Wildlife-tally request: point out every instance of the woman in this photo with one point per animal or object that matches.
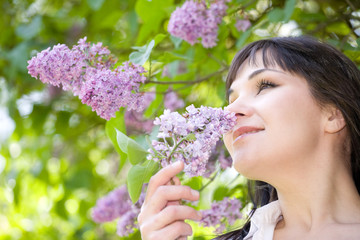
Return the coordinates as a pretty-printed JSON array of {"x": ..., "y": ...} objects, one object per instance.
[{"x": 298, "y": 135}]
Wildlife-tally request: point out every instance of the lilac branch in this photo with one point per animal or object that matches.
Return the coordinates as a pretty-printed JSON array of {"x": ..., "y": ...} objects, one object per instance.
[{"x": 199, "y": 80}]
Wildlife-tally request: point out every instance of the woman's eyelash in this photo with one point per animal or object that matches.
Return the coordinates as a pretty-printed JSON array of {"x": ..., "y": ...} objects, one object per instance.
[{"x": 263, "y": 84}]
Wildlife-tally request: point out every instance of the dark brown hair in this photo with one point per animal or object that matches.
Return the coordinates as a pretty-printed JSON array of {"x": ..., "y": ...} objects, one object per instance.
[{"x": 332, "y": 78}]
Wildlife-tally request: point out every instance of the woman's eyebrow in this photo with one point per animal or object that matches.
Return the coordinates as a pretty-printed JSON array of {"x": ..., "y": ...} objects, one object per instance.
[
  {"x": 257, "y": 72},
  {"x": 254, "y": 74}
]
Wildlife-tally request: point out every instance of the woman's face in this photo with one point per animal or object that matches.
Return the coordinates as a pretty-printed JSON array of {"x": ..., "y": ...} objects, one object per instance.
[{"x": 279, "y": 123}]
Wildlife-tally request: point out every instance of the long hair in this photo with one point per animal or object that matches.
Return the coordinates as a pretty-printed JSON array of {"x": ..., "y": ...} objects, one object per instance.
[{"x": 332, "y": 78}]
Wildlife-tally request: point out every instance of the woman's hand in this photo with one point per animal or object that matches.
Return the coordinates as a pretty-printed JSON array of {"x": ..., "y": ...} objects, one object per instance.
[{"x": 162, "y": 216}]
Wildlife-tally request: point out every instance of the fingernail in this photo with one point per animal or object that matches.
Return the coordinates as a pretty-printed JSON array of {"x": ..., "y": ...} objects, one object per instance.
[
  {"x": 199, "y": 215},
  {"x": 195, "y": 193}
]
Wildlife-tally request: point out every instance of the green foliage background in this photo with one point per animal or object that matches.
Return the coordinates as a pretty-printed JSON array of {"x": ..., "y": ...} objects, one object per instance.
[{"x": 59, "y": 160}]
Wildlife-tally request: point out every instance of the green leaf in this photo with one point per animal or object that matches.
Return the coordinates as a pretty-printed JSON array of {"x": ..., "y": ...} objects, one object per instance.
[
  {"x": 358, "y": 43},
  {"x": 135, "y": 152},
  {"x": 240, "y": 42},
  {"x": 143, "y": 53},
  {"x": 176, "y": 41},
  {"x": 194, "y": 183},
  {"x": 289, "y": 9},
  {"x": 152, "y": 13},
  {"x": 138, "y": 175},
  {"x": 220, "y": 193},
  {"x": 276, "y": 15},
  {"x": 339, "y": 28},
  {"x": 28, "y": 31},
  {"x": 95, "y": 4},
  {"x": 111, "y": 126},
  {"x": 156, "y": 104},
  {"x": 191, "y": 137},
  {"x": 17, "y": 56},
  {"x": 171, "y": 56},
  {"x": 158, "y": 38}
]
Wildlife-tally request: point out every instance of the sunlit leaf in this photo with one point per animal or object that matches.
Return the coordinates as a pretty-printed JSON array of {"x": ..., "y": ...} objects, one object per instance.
[
  {"x": 143, "y": 54},
  {"x": 220, "y": 193},
  {"x": 176, "y": 41},
  {"x": 111, "y": 126},
  {"x": 276, "y": 15},
  {"x": 95, "y": 4},
  {"x": 138, "y": 175},
  {"x": 30, "y": 30},
  {"x": 289, "y": 9},
  {"x": 135, "y": 152}
]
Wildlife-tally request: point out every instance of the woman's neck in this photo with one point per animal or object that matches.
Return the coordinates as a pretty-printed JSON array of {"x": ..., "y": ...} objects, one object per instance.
[{"x": 322, "y": 196}]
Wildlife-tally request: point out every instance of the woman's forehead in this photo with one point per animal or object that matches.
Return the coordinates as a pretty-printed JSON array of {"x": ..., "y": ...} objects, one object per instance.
[{"x": 255, "y": 64}]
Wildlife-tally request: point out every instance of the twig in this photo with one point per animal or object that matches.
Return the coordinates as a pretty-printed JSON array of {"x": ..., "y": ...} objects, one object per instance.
[
  {"x": 190, "y": 82},
  {"x": 208, "y": 183},
  {"x": 351, "y": 5}
]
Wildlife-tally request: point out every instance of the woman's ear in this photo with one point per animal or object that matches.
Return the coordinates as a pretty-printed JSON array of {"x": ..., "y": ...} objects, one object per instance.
[{"x": 335, "y": 121}]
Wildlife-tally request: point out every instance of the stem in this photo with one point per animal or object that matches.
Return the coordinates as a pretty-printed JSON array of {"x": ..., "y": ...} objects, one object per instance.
[
  {"x": 191, "y": 82},
  {"x": 235, "y": 10},
  {"x": 351, "y": 5},
  {"x": 210, "y": 181},
  {"x": 173, "y": 150},
  {"x": 237, "y": 176},
  {"x": 221, "y": 63}
]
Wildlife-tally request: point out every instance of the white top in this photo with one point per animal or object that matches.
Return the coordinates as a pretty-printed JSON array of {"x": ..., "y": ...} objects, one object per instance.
[{"x": 263, "y": 222}]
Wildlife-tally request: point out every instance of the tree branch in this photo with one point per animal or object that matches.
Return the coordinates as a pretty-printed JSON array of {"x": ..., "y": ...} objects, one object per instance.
[{"x": 221, "y": 70}]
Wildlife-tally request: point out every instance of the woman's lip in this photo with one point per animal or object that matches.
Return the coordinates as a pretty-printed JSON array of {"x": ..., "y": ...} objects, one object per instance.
[{"x": 245, "y": 130}]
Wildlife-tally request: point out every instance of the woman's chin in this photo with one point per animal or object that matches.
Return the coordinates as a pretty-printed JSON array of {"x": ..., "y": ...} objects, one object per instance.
[{"x": 247, "y": 169}]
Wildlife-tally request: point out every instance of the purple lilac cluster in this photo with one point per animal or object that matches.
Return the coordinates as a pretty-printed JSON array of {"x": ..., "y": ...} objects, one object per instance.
[
  {"x": 194, "y": 20},
  {"x": 135, "y": 121},
  {"x": 87, "y": 71},
  {"x": 190, "y": 137},
  {"x": 242, "y": 25},
  {"x": 106, "y": 90},
  {"x": 217, "y": 160},
  {"x": 172, "y": 101},
  {"x": 222, "y": 213},
  {"x": 117, "y": 204}
]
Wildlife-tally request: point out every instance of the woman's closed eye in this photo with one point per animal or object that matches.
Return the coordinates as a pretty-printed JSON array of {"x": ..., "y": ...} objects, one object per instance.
[{"x": 264, "y": 84}]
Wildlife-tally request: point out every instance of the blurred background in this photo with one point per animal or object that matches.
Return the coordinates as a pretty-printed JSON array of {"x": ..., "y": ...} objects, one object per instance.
[{"x": 55, "y": 157}]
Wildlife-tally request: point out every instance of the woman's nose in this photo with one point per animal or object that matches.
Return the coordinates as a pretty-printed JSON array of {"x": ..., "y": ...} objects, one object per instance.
[{"x": 240, "y": 108}]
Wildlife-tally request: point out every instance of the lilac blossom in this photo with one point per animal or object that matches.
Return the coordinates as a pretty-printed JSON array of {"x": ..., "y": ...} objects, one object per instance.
[
  {"x": 87, "y": 71},
  {"x": 112, "y": 206},
  {"x": 242, "y": 25},
  {"x": 172, "y": 101},
  {"x": 117, "y": 204},
  {"x": 106, "y": 90},
  {"x": 194, "y": 20},
  {"x": 217, "y": 160},
  {"x": 127, "y": 223},
  {"x": 225, "y": 162},
  {"x": 190, "y": 137},
  {"x": 222, "y": 213},
  {"x": 135, "y": 121},
  {"x": 59, "y": 67}
]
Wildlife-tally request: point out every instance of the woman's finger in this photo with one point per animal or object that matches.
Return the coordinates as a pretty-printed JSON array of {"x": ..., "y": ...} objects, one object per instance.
[
  {"x": 176, "y": 180},
  {"x": 169, "y": 215},
  {"x": 164, "y": 194},
  {"x": 172, "y": 231},
  {"x": 175, "y": 213},
  {"x": 163, "y": 177}
]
